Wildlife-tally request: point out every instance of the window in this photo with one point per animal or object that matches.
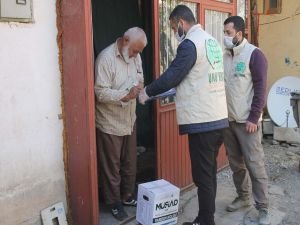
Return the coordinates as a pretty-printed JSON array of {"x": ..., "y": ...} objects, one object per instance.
[
  {"x": 214, "y": 24},
  {"x": 272, "y": 6},
  {"x": 168, "y": 42},
  {"x": 241, "y": 6}
]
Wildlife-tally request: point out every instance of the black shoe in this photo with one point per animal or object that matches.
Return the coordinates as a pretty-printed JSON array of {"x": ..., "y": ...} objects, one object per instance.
[
  {"x": 191, "y": 223},
  {"x": 118, "y": 211},
  {"x": 130, "y": 202},
  {"x": 195, "y": 222}
]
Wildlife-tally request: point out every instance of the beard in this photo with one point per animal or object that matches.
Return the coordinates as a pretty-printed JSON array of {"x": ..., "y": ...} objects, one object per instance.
[{"x": 125, "y": 54}]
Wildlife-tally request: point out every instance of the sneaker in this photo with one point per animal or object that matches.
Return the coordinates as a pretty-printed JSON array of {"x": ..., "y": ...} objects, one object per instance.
[
  {"x": 263, "y": 217},
  {"x": 130, "y": 202},
  {"x": 118, "y": 212},
  {"x": 238, "y": 203}
]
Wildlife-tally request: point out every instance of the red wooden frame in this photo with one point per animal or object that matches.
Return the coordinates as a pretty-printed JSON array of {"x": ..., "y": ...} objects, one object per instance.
[
  {"x": 78, "y": 105},
  {"x": 268, "y": 10}
]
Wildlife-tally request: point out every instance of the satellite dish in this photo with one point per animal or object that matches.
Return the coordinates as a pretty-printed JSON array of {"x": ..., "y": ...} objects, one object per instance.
[{"x": 278, "y": 102}]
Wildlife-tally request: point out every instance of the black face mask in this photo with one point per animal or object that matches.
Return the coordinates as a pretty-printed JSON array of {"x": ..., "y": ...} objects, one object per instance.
[
  {"x": 235, "y": 41},
  {"x": 180, "y": 31}
]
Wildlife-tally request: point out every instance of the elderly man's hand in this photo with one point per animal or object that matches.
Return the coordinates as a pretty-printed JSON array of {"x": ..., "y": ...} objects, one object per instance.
[
  {"x": 134, "y": 91},
  {"x": 143, "y": 97},
  {"x": 132, "y": 94}
]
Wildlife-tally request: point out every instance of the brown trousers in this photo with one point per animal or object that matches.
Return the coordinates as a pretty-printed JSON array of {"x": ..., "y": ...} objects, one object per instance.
[
  {"x": 246, "y": 159},
  {"x": 117, "y": 165}
]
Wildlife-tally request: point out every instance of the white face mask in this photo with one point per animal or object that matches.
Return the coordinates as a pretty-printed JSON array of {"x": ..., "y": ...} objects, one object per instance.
[
  {"x": 178, "y": 37},
  {"x": 228, "y": 42}
]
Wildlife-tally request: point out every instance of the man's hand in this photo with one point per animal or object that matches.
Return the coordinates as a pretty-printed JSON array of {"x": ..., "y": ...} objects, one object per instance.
[
  {"x": 251, "y": 127},
  {"x": 132, "y": 94},
  {"x": 143, "y": 97}
]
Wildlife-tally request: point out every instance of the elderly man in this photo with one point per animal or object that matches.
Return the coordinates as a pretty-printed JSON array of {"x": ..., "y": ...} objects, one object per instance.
[
  {"x": 119, "y": 78},
  {"x": 198, "y": 75}
]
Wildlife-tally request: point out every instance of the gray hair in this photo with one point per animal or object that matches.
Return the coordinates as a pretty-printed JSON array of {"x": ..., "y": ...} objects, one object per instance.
[{"x": 135, "y": 34}]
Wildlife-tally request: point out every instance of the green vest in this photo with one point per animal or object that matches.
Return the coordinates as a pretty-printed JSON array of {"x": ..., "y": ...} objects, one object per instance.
[
  {"x": 238, "y": 80},
  {"x": 201, "y": 97}
]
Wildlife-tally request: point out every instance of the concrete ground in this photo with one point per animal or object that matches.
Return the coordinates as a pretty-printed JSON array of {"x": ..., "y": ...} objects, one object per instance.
[
  {"x": 226, "y": 193},
  {"x": 189, "y": 206},
  {"x": 282, "y": 164}
]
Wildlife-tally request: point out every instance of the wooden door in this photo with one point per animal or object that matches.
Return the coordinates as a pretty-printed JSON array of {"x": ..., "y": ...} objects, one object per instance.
[
  {"x": 173, "y": 162},
  {"x": 212, "y": 15}
]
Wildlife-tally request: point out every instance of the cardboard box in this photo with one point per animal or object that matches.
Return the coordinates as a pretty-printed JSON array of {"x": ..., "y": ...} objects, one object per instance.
[{"x": 158, "y": 203}]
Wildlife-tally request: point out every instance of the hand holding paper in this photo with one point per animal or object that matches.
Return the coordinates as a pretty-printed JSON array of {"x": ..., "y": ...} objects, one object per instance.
[{"x": 132, "y": 94}]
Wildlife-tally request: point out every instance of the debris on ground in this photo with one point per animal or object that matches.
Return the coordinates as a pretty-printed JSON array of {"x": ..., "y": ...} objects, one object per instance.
[{"x": 282, "y": 164}]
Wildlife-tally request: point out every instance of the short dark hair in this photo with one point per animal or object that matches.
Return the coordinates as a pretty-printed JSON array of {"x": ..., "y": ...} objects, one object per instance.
[
  {"x": 182, "y": 12},
  {"x": 238, "y": 23}
]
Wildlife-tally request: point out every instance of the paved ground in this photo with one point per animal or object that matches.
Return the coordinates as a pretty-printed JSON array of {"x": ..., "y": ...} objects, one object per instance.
[
  {"x": 189, "y": 205},
  {"x": 282, "y": 163},
  {"x": 226, "y": 194}
]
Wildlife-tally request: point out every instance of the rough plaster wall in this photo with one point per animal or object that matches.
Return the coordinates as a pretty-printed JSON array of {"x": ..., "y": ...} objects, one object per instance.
[
  {"x": 31, "y": 133},
  {"x": 279, "y": 39}
]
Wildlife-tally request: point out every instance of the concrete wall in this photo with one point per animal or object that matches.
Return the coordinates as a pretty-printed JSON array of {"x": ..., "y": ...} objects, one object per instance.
[
  {"x": 31, "y": 134},
  {"x": 279, "y": 39}
]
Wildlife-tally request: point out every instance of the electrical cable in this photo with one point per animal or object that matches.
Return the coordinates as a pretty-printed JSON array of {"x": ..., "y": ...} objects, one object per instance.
[{"x": 275, "y": 21}]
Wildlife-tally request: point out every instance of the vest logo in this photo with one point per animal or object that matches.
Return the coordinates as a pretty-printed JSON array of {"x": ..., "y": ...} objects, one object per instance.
[
  {"x": 240, "y": 69},
  {"x": 166, "y": 204},
  {"x": 215, "y": 77},
  {"x": 214, "y": 54}
]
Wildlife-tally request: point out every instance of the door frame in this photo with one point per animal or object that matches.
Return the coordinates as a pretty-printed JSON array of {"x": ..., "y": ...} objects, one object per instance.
[{"x": 74, "y": 20}]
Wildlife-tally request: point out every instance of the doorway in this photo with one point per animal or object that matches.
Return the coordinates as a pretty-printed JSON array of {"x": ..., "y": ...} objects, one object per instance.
[
  {"x": 111, "y": 18},
  {"x": 76, "y": 42}
]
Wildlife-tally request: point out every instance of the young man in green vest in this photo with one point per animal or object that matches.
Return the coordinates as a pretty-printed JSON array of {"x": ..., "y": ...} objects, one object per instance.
[{"x": 245, "y": 69}]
